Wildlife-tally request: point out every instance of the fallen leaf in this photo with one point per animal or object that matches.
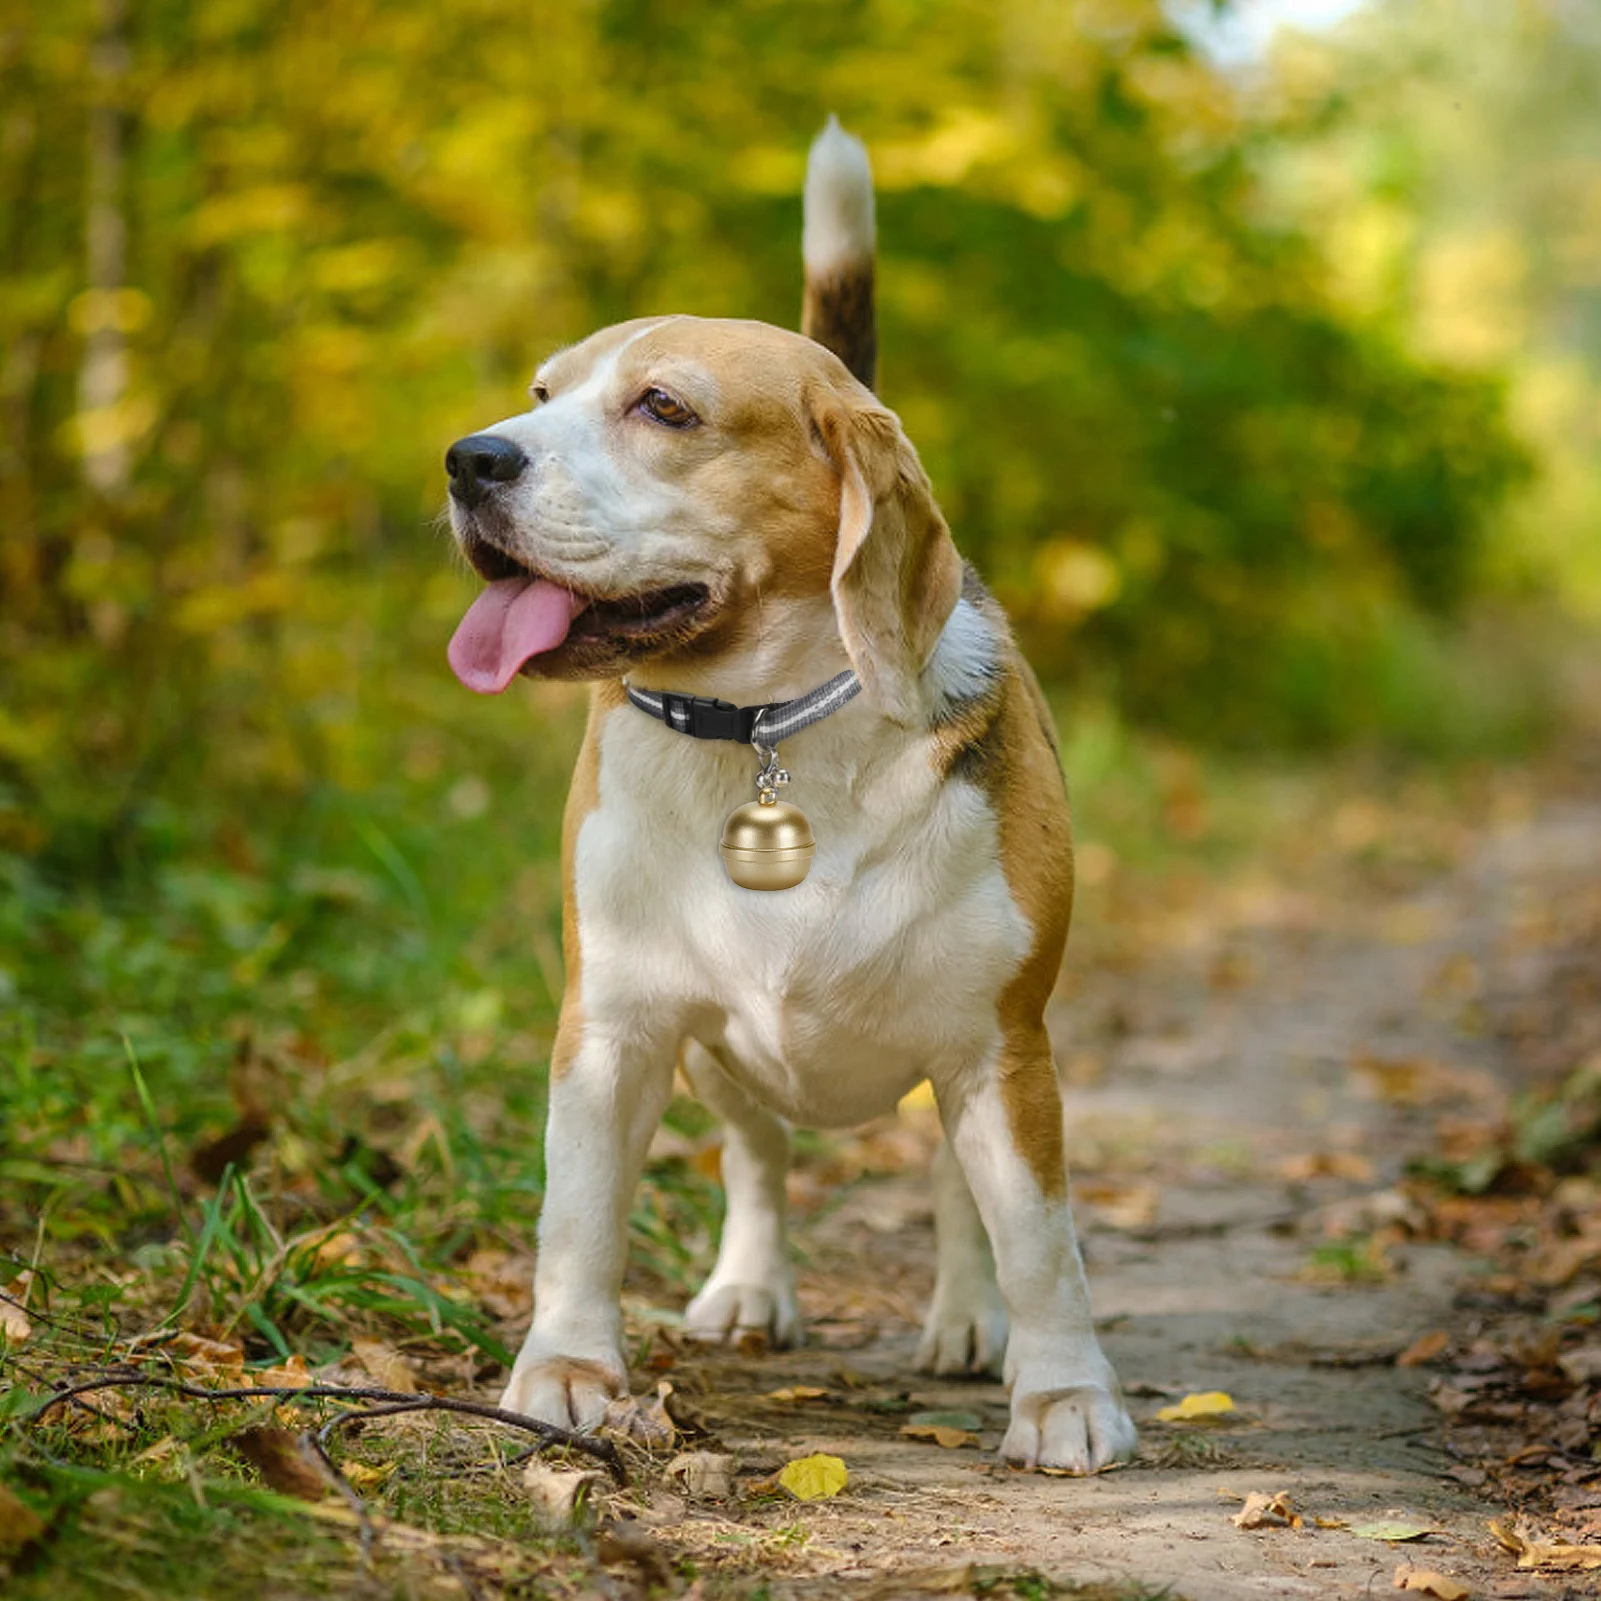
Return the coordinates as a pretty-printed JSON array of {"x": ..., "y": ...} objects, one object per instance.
[
  {"x": 812, "y": 1478},
  {"x": 206, "y": 1358},
  {"x": 559, "y": 1495},
  {"x": 366, "y": 1475},
  {"x": 290, "y": 1375},
  {"x": 1393, "y": 1529},
  {"x": 1267, "y": 1512},
  {"x": 1533, "y": 1553},
  {"x": 283, "y": 1463},
  {"x": 939, "y": 1434},
  {"x": 1424, "y": 1349},
  {"x": 797, "y": 1392},
  {"x": 704, "y": 1473},
  {"x": 1198, "y": 1404},
  {"x": 15, "y": 1324},
  {"x": 502, "y": 1282},
  {"x": 1429, "y": 1582},
  {"x": 389, "y": 1369},
  {"x": 19, "y": 1523},
  {"x": 643, "y": 1419}
]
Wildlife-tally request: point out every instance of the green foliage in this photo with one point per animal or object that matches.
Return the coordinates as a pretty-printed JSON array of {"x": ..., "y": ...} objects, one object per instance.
[{"x": 1178, "y": 456}]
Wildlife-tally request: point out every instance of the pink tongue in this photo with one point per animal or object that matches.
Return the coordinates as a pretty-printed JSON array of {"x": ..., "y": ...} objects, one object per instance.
[{"x": 513, "y": 619}]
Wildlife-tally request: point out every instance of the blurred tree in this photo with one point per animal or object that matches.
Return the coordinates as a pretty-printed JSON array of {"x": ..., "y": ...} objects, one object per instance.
[
  {"x": 1454, "y": 169},
  {"x": 260, "y": 261}
]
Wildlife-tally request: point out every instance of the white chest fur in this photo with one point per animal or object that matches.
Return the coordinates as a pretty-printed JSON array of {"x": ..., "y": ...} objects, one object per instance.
[{"x": 828, "y": 1000}]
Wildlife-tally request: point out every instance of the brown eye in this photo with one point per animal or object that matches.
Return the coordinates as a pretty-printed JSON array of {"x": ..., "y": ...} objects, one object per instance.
[
  {"x": 666, "y": 409},
  {"x": 540, "y": 392}
]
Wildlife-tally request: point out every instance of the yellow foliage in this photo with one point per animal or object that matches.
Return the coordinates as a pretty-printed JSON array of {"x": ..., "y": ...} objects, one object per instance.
[{"x": 811, "y": 1478}]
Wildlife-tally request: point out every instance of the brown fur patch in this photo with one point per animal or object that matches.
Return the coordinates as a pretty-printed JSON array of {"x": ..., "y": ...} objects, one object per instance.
[
  {"x": 582, "y": 798},
  {"x": 1003, "y": 742},
  {"x": 837, "y": 311}
]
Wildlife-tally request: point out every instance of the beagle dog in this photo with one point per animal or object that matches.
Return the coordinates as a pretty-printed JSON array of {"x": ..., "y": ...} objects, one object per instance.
[{"x": 723, "y": 509}]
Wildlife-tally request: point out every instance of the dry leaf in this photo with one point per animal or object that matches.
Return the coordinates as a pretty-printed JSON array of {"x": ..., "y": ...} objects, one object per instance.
[
  {"x": 366, "y": 1475},
  {"x": 1198, "y": 1405},
  {"x": 389, "y": 1369},
  {"x": 1429, "y": 1582},
  {"x": 811, "y": 1478},
  {"x": 205, "y": 1358},
  {"x": 559, "y": 1495},
  {"x": 1267, "y": 1512},
  {"x": 797, "y": 1392},
  {"x": 643, "y": 1419},
  {"x": 15, "y": 1324},
  {"x": 283, "y": 1463},
  {"x": 1535, "y": 1553},
  {"x": 704, "y": 1473},
  {"x": 1424, "y": 1349},
  {"x": 939, "y": 1434},
  {"x": 1393, "y": 1530},
  {"x": 503, "y": 1283},
  {"x": 19, "y": 1523},
  {"x": 290, "y": 1375}
]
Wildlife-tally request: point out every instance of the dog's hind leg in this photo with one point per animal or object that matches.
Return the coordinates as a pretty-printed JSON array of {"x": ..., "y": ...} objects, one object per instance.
[
  {"x": 752, "y": 1288},
  {"x": 965, "y": 1330}
]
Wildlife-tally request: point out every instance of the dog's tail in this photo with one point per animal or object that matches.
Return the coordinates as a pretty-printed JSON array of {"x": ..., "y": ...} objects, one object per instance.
[{"x": 837, "y": 246}]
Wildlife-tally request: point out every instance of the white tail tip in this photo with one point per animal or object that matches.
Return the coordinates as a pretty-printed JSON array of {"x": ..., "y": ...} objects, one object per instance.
[{"x": 839, "y": 201}]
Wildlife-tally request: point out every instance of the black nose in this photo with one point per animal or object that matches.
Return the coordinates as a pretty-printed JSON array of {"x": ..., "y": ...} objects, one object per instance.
[{"x": 479, "y": 460}]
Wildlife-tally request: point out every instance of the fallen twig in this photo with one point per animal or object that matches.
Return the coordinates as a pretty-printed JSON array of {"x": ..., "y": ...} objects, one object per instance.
[{"x": 390, "y": 1403}]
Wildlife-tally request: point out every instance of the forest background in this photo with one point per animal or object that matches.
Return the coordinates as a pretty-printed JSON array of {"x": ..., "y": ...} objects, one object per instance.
[{"x": 1267, "y": 397}]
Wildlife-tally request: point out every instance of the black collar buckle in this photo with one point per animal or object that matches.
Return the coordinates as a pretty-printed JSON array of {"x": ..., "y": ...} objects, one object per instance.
[{"x": 704, "y": 717}]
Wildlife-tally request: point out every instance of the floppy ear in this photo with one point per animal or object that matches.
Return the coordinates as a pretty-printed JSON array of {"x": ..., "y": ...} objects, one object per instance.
[{"x": 897, "y": 576}]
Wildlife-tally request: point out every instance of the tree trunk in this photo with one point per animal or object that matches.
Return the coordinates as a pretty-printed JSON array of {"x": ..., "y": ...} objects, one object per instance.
[{"x": 103, "y": 374}]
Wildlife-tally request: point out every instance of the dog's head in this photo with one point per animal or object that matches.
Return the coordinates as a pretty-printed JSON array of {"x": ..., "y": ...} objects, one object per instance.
[{"x": 685, "y": 490}]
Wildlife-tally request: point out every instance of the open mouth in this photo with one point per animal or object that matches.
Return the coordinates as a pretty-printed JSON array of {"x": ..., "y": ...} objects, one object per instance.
[{"x": 525, "y": 622}]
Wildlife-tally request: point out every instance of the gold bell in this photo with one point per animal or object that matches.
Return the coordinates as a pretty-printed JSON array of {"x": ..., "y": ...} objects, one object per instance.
[{"x": 767, "y": 844}]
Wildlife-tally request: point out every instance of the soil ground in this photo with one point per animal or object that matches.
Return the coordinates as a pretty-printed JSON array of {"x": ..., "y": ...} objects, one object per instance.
[{"x": 1250, "y": 1068}]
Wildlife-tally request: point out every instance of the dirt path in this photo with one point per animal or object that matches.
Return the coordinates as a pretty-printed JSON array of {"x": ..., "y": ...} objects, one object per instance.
[{"x": 1244, "y": 1091}]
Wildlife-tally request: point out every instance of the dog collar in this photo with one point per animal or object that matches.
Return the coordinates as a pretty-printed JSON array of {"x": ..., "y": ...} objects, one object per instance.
[
  {"x": 767, "y": 844},
  {"x": 702, "y": 717}
]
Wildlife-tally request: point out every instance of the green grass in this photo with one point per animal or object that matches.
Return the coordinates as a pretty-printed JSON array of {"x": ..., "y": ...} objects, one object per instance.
[{"x": 272, "y": 1069}]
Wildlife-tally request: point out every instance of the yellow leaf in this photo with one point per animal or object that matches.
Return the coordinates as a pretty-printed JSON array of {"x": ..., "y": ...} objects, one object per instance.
[
  {"x": 1200, "y": 1404},
  {"x": 811, "y": 1478},
  {"x": 797, "y": 1392},
  {"x": 1428, "y": 1582},
  {"x": 364, "y": 1475},
  {"x": 941, "y": 1434}
]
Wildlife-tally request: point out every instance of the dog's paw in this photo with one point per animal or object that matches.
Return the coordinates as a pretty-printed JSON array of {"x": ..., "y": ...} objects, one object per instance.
[
  {"x": 958, "y": 1341},
  {"x": 733, "y": 1311},
  {"x": 1080, "y": 1428},
  {"x": 568, "y": 1391}
]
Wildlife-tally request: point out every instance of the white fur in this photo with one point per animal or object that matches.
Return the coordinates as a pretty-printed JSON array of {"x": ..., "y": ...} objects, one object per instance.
[
  {"x": 839, "y": 228},
  {"x": 823, "y": 1005}
]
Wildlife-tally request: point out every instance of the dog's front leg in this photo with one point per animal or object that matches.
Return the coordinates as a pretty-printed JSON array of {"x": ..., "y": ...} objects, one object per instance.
[
  {"x": 1004, "y": 1124},
  {"x": 608, "y": 1092}
]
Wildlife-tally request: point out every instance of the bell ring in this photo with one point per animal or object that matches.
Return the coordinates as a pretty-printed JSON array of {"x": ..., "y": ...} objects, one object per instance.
[{"x": 767, "y": 844}]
